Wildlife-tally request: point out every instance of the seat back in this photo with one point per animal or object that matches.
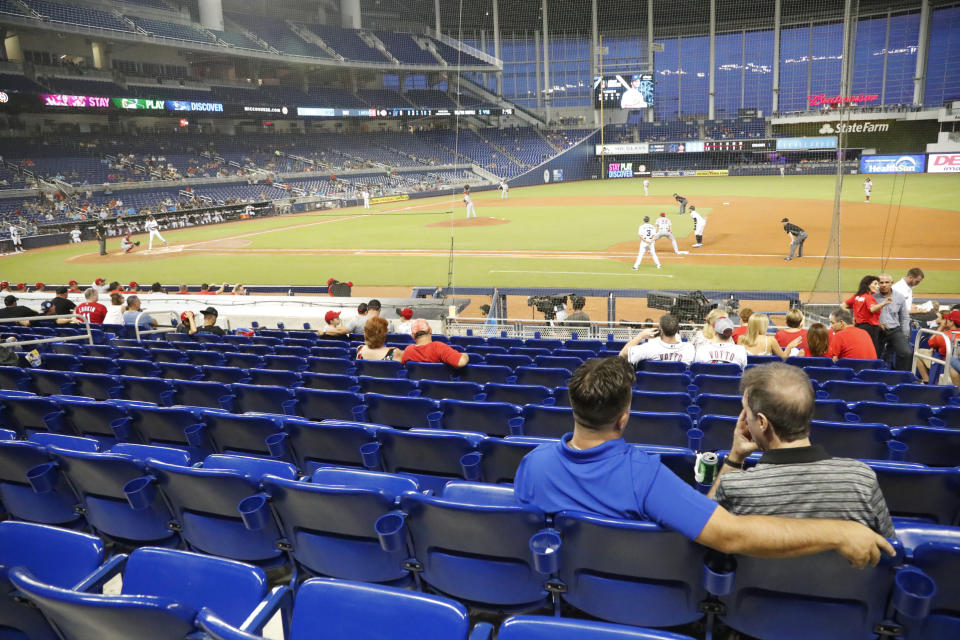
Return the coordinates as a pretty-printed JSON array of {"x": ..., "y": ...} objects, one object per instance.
[
  {"x": 892, "y": 414},
  {"x": 825, "y": 374},
  {"x": 387, "y": 386},
  {"x": 919, "y": 492},
  {"x": 328, "y": 381},
  {"x": 430, "y": 371},
  {"x": 676, "y": 382},
  {"x": 400, "y": 411},
  {"x": 491, "y": 418},
  {"x": 442, "y": 390},
  {"x": 501, "y": 458},
  {"x": 665, "y": 429},
  {"x": 544, "y": 376},
  {"x": 726, "y": 385},
  {"x": 54, "y": 506},
  {"x": 240, "y": 433},
  {"x": 544, "y": 628},
  {"x": 516, "y": 393},
  {"x": 932, "y": 446},
  {"x": 846, "y": 440},
  {"x": 851, "y": 391},
  {"x": 545, "y": 421},
  {"x": 321, "y": 404},
  {"x": 484, "y": 373},
  {"x": 431, "y": 456},
  {"x": 924, "y": 393},
  {"x": 204, "y": 394},
  {"x": 331, "y": 442}
]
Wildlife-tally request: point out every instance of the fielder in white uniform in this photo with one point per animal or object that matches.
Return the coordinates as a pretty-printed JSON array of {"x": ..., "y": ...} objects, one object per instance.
[
  {"x": 467, "y": 200},
  {"x": 699, "y": 222},
  {"x": 75, "y": 236},
  {"x": 15, "y": 239},
  {"x": 647, "y": 234},
  {"x": 665, "y": 230},
  {"x": 504, "y": 187},
  {"x": 867, "y": 188},
  {"x": 154, "y": 228},
  {"x": 646, "y": 187},
  {"x": 366, "y": 198}
]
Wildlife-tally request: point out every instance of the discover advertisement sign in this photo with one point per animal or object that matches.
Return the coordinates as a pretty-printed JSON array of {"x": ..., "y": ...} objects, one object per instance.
[
  {"x": 943, "y": 163},
  {"x": 892, "y": 164}
]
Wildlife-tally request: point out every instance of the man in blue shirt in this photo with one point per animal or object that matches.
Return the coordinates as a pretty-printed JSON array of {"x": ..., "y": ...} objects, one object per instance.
[
  {"x": 594, "y": 470},
  {"x": 133, "y": 312}
]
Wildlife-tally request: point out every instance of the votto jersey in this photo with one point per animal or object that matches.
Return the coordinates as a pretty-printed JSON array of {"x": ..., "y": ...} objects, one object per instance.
[
  {"x": 646, "y": 232},
  {"x": 721, "y": 352},
  {"x": 659, "y": 350}
]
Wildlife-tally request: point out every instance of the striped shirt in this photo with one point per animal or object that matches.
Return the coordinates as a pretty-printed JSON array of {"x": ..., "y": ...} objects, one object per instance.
[{"x": 805, "y": 482}]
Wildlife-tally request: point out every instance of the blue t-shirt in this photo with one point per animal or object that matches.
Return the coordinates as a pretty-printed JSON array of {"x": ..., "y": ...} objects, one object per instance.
[
  {"x": 130, "y": 317},
  {"x": 616, "y": 480}
]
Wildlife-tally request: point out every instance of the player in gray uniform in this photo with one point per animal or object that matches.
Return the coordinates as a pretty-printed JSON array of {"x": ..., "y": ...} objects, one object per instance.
[
  {"x": 797, "y": 237},
  {"x": 647, "y": 234},
  {"x": 665, "y": 230},
  {"x": 682, "y": 202}
]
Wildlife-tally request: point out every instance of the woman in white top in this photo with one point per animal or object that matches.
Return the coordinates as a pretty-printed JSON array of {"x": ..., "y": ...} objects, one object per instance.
[
  {"x": 758, "y": 343},
  {"x": 115, "y": 310}
]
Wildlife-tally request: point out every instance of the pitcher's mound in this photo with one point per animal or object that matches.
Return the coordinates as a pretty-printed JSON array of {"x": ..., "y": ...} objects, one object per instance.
[{"x": 470, "y": 222}]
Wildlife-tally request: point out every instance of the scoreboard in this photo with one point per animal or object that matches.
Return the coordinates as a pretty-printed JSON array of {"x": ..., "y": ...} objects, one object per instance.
[{"x": 691, "y": 146}]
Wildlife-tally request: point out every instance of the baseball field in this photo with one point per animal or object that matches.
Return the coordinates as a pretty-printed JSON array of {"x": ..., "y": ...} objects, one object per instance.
[{"x": 576, "y": 235}]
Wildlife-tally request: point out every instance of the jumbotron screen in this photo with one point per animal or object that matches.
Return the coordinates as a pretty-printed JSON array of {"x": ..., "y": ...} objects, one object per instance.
[{"x": 623, "y": 91}]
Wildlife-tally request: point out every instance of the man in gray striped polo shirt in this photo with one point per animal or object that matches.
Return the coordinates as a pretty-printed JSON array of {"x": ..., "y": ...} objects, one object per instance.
[{"x": 793, "y": 477}]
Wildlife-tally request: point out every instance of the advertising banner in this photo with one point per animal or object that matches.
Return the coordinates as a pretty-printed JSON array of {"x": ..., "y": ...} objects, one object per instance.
[
  {"x": 622, "y": 149},
  {"x": 383, "y": 199},
  {"x": 624, "y": 170},
  {"x": 892, "y": 164},
  {"x": 713, "y": 172},
  {"x": 943, "y": 163},
  {"x": 189, "y": 105},
  {"x": 137, "y": 104},
  {"x": 81, "y": 102}
]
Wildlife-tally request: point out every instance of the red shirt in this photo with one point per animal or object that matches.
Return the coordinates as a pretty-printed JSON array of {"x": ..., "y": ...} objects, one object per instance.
[
  {"x": 432, "y": 352},
  {"x": 939, "y": 344},
  {"x": 852, "y": 342},
  {"x": 784, "y": 338},
  {"x": 92, "y": 311},
  {"x": 738, "y": 333},
  {"x": 860, "y": 306}
]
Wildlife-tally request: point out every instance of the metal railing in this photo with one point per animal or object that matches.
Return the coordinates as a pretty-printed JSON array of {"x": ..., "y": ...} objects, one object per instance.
[
  {"x": 143, "y": 332},
  {"x": 930, "y": 358},
  {"x": 526, "y": 329},
  {"x": 82, "y": 320}
]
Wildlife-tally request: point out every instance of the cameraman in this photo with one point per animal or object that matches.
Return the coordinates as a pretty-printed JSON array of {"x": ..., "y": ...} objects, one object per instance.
[{"x": 579, "y": 316}]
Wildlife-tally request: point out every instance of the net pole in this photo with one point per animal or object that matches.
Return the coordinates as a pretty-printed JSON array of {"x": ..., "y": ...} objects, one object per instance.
[{"x": 603, "y": 148}]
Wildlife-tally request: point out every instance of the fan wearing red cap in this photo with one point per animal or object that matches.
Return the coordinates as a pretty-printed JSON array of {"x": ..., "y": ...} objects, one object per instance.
[
  {"x": 133, "y": 287},
  {"x": 335, "y": 329},
  {"x": 949, "y": 325},
  {"x": 39, "y": 287},
  {"x": 73, "y": 287},
  {"x": 407, "y": 314},
  {"x": 100, "y": 285},
  {"x": 425, "y": 349},
  {"x": 21, "y": 286},
  {"x": 4, "y": 286}
]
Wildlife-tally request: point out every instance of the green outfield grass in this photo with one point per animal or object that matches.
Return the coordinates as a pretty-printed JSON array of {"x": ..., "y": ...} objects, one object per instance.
[{"x": 581, "y": 216}]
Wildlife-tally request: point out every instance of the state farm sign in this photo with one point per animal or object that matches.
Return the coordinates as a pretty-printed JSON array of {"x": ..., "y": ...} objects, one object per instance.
[
  {"x": 943, "y": 163},
  {"x": 817, "y": 99},
  {"x": 855, "y": 127}
]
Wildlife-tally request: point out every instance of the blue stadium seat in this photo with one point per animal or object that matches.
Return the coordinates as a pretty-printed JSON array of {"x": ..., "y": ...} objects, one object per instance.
[
  {"x": 288, "y": 350},
  {"x": 925, "y": 393},
  {"x": 501, "y": 457},
  {"x": 243, "y": 360},
  {"x": 53, "y": 505},
  {"x": 673, "y": 382},
  {"x": 68, "y": 348},
  {"x": 291, "y": 363},
  {"x": 156, "y": 390},
  {"x": 222, "y": 347},
  {"x": 328, "y": 381},
  {"x": 334, "y": 365},
  {"x": 892, "y": 414},
  {"x": 102, "y": 350},
  {"x": 443, "y": 390},
  {"x": 491, "y": 418},
  {"x": 105, "y": 422},
  {"x": 467, "y": 341},
  {"x": 533, "y": 352},
  {"x": 852, "y": 440},
  {"x": 166, "y": 426},
  {"x": 487, "y": 349},
  {"x": 181, "y": 371},
  {"x": 947, "y": 417},
  {"x": 543, "y": 376},
  {"x": 810, "y": 361},
  {"x": 715, "y": 369},
  {"x": 400, "y": 411},
  {"x": 592, "y": 345},
  {"x": 257, "y": 349},
  {"x": 477, "y": 554},
  {"x": 205, "y": 358},
  {"x": 387, "y": 386},
  {"x": 886, "y": 377},
  {"x": 479, "y": 493},
  {"x": 831, "y": 411},
  {"x": 825, "y": 374},
  {"x": 98, "y": 386},
  {"x": 329, "y": 352},
  {"x": 348, "y": 611},
  {"x": 932, "y": 446},
  {"x": 508, "y": 360},
  {"x": 155, "y": 601},
  {"x": 432, "y": 457},
  {"x": 662, "y": 401},
  {"x": 718, "y": 404},
  {"x": 264, "y": 399},
  {"x": 94, "y": 364},
  {"x": 509, "y": 343},
  {"x": 661, "y": 366},
  {"x": 634, "y": 573},
  {"x": 58, "y": 557},
  {"x": 60, "y": 362},
  {"x": 543, "y": 343},
  {"x": 917, "y": 492},
  {"x": 860, "y": 364},
  {"x": 168, "y": 355},
  {"x": 665, "y": 429},
  {"x": 205, "y": 503},
  {"x": 194, "y": 393},
  {"x": 517, "y": 393},
  {"x": 241, "y": 434},
  {"x": 725, "y": 385},
  {"x": 559, "y": 362},
  {"x": 322, "y": 404},
  {"x": 139, "y": 368},
  {"x": 485, "y": 373},
  {"x": 134, "y": 353},
  {"x": 378, "y": 368},
  {"x": 330, "y": 523},
  {"x": 267, "y": 340},
  {"x": 544, "y": 628},
  {"x": 26, "y": 413},
  {"x": 226, "y": 375},
  {"x": 717, "y": 431},
  {"x": 936, "y": 552},
  {"x": 546, "y": 421},
  {"x": 51, "y": 383},
  {"x": 14, "y": 379},
  {"x": 430, "y": 371},
  {"x": 851, "y": 391},
  {"x": 331, "y": 442},
  {"x": 274, "y": 377},
  {"x": 580, "y": 354},
  {"x": 98, "y": 480}
]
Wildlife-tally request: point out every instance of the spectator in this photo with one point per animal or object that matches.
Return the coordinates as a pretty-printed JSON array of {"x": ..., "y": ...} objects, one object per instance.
[
  {"x": 425, "y": 349},
  {"x": 789, "y": 479},
  {"x": 579, "y": 316},
  {"x": 115, "y": 310},
  {"x": 818, "y": 341},
  {"x": 894, "y": 325},
  {"x": 794, "y": 328},
  {"x": 407, "y": 314},
  {"x": 183, "y": 290},
  {"x": 721, "y": 347},
  {"x": 374, "y": 337},
  {"x": 61, "y": 304},
  {"x": 91, "y": 310},
  {"x": 745, "y": 314},
  {"x": 357, "y": 323},
  {"x": 209, "y": 322},
  {"x": 100, "y": 285},
  {"x": 905, "y": 286},
  {"x": 707, "y": 334},
  {"x": 848, "y": 341},
  {"x": 758, "y": 343},
  {"x": 13, "y": 310},
  {"x": 238, "y": 290},
  {"x": 156, "y": 287},
  {"x": 665, "y": 347},
  {"x": 866, "y": 309},
  {"x": 595, "y": 470},
  {"x": 950, "y": 325},
  {"x": 334, "y": 330},
  {"x": 114, "y": 287},
  {"x": 73, "y": 287},
  {"x": 134, "y": 315}
]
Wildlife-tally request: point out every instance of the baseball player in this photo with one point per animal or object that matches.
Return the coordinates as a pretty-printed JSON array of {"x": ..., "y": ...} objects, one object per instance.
[
  {"x": 504, "y": 187},
  {"x": 867, "y": 188},
  {"x": 647, "y": 234},
  {"x": 16, "y": 239},
  {"x": 665, "y": 230},
  {"x": 75, "y": 235},
  {"x": 646, "y": 186},
  {"x": 797, "y": 238},
  {"x": 467, "y": 200},
  {"x": 366, "y": 198},
  {"x": 154, "y": 228},
  {"x": 782, "y": 171},
  {"x": 682, "y": 202},
  {"x": 127, "y": 244},
  {"x": 699, "y": 222}
]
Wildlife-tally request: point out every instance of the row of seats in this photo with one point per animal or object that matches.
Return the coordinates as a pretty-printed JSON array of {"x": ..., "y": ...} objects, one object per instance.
[{"x": 475, "y": 543}]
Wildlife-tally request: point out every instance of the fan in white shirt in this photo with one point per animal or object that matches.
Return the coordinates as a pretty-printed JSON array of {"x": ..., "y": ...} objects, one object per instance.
[
  {"x": 724, "y": 350},
  {"x": 666, "y": 347}
]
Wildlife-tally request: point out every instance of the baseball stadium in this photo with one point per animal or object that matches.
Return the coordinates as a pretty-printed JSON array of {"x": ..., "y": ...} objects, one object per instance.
[{"x": 474, "y": 320}]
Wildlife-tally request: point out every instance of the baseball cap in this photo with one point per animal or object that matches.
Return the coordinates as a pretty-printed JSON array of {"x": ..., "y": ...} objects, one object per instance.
[
  {"x": 99, "y": 281},
  {"x": 39, "y": 285},
  {"x": 45, "y": 306},
  {"x": 954, "y": 316},
  {"x": 330, "y": 315},
  {"x": 21, "y": 286},
  {"x": 785, "y": 220},
  {"x": 4, "y": 284},
  {"x": 406, "y": 313},
  {"x": 723, "y": 327},
  {"x": 72, "y": 283},
  {"x": 209, "y": 311},
  {"x": 419, "y": 326},
  {"x": 10, "y": 300},
  {"x": 663, "y": 215},
  {"x": 184, "y": 316},
  {"x": 362, "y": 307},
  {"x": 134, "y": 285},
  {"x": 646, "y": 218}
]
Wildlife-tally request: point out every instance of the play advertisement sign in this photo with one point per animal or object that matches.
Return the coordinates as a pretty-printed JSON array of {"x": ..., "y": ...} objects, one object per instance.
[
  {"x": 943, "y": 163},
  {"x": 892, "y": 164}
]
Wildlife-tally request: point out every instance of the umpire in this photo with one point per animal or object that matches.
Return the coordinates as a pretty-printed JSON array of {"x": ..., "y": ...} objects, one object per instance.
[
  {"x": 102, "y": 238},
  {"x": 797, "y": 237}
]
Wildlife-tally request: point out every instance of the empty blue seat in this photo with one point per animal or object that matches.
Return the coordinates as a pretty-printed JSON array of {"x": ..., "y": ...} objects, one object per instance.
[
  {"x": 545, "y": 421},
  {"x": 242, "y": 360},
  {"x": 477, "y": 554},
  {"x": 431, "y": 456},
  {"x": 533, "y": 352},
  {"x": 543, "y": 376},
  {"x": 102, "y": 421},
  {"x": 851, "y": 440},
  {"x": 717, "y": 431},
  {"x": 444, "y": 390},
  {"x": 858, "y": 364},
  {"x": 400, "y": 411},
  {"x": 430, "y": 371},
  {"x": 918, "y": 492},
  {"x": 334, "y": 365},
  {"x": 205, "y": 358},
  {"x": 715, "y": 368},
  {"x": 181, "y": 371},
  {"x": 501, "y": 457},
  {"x": 289, "y": 350},
  {"x": 139, "y": 368},
  {"x": 155, "y": 601},
  {"x": 886, "y": 377},
  {"x": 674, "y": 382},
  {"x": 718, "y": 404},
  {"x": 630, "y": 572},
  {"x": 543, "y": 343},
  {"x": 484, "y": 373},
  {"x": 810, "y": 361},
  {"x": 226, "y": 375},
  {"x": 264, "y": 398},
  {"x": 661, "y": 366},
  {"x": 947, "y": 417},
  {"x": 936, "y": 552},
  {"x": 98, "y": 386},
  {"x": 291, "y": 363},
  {"x": 892, "y": 414},
  {"x": 60, "y": 362},
  {"x": 932, "y": 446},
  {"x": 68, "y": 348},
  {"x": 491, "y": 418},
  {"x": 467, "y": 341},
  {"x": 156, "y": 390},
  {"x": 275, "y": 377},
  {"x": 509, "y": 360},
  {"x": 725, "y": 385},
  {"x": 195, "y": 393},
  {"x": 25, "y": 413},
  {"x": 592, "y": 345},
  {"x": 517, "y": 393},
  {"x": 133, "y": 353},
  {"x": 331, "y": 442},
  {"x": 468, "y": 492},
  {"x": 328, "y": 381},
  {"x": 852, "y": 391},
  {"x": 544, "y": 628},
  {"x": 487, "y": 349},
  {"x": 388, "y": 386},
  {"x": 94, "y": 364},
  {"x": 14, "y": 379},
  {"x": 500, "y": 341},
  {"x": 581, "y": 354},
  {"x": 167, "y": 426},
  {"x": 824, "y": 374},
  {"x": 830, "y": 410},
  {"x": 561, "y": 362},
  {"x": 267, "y": 340},
  {"x": 54, "y": 505},
  {"x": 329, "y": 352},
  {"x": 652, "y": 428},
  {"x": 925, "y": 393},
  {"x": 58, "y": 557},
  {"x": 167, "y": 355},
  {"x": 51, "y": 383},
  {"x": 256, "y": 349},
  {"x": 102, "y": 350},
  {"x": 323, "y": 404},
  {"x": 662, "y": 401},
  {"x": 241, "y": 434}
]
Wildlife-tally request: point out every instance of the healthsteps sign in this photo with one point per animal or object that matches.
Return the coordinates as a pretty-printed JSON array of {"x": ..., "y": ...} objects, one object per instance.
[
  {"x": 943, "y": 163},
  {"x": 892, "y": 164}
]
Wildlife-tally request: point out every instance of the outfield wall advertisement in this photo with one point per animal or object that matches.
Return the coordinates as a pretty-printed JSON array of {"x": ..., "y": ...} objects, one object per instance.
[
  {"x": 943, "y": 163},
  {"x": 892, "y": 164},
  {"x": 886, "y": 135}
]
